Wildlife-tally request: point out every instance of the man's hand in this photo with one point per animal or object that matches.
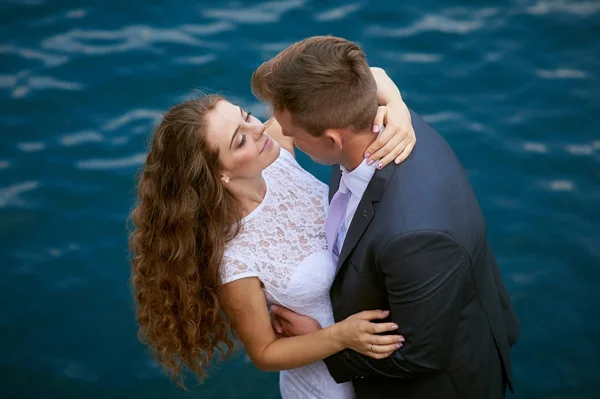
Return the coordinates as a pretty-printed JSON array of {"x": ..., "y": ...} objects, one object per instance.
[{"x": 291, "y": 324}]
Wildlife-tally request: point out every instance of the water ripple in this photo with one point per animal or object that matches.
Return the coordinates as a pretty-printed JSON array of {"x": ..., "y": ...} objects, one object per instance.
[
  {"x": 198, "y": 60},
  {"x": 579, "y": 149},
  {"x": 337, "y": 13},
  {"x": 208, "y": 29},
  {"x": 136, "y": 114},
  {"x": 535, "y": 147},
  {"x": 87, "y": 136},
  {"x": 102, "y": 164},
  {"x": 49, "y": 60},
  {"x": 10, "y": 195},
  {"x": 441, "y": 117},
  {"x": 561, "y": 73},
  {"x": 421, "y": 58},
  {"x": 561, "y": 185},
  {"x": 118, "y": 41},
  {"x": 31, "y": 146},
  {"x": 23, "y": 83},
  {"x": 430, "y": 23},
  {"x": 261, "y": 13},
  {"x": 581, "y": 9},
  {"x": 76, "y": 14}
]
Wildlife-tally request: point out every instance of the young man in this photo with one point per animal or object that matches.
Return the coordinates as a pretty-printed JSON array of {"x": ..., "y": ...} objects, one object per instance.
[{"x": 410, "y": 238}]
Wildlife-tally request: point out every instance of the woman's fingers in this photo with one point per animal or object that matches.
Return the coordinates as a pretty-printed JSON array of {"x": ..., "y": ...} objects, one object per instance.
[
  {"x": 372, "y": 314},
  {"x": 379, "y": 355},
  {"x": 386, "y": 339},
  {"x": 377, "y": 126},
  {"x": 378, "y": 328},
  {"x": 402, "y": 157},
  {"x": 379, "y": 119},
  {"x": 390, "y": 151},
  {"x": 380, "y": 349}
]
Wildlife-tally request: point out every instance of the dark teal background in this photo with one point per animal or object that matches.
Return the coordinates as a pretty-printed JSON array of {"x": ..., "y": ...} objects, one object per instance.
[{"x": 513, "y": 86}]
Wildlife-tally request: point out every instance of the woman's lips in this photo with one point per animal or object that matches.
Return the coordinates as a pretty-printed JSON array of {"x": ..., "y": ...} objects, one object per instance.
[{"x": 267, "y": 141}]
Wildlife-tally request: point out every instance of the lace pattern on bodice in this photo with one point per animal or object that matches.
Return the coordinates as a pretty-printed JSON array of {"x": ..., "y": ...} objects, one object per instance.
[{"x": 282, "y": 231}]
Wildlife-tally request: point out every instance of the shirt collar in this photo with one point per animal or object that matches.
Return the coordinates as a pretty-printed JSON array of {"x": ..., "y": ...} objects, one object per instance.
[{"x": 358, "y": 180}]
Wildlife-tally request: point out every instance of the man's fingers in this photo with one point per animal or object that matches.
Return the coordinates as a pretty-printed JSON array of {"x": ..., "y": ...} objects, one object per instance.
[
  {"x": 277, "y": 325},
  {"x": 281, "y": 311}
]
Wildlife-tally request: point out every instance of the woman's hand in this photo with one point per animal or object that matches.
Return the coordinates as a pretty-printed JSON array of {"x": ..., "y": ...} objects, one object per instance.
[
  {"x": 397, "y": 139},
  {"x": 359, "y": 334}
]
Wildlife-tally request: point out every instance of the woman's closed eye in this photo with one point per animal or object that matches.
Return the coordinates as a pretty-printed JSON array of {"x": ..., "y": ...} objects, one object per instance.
[{"x": 243, "y": 139}]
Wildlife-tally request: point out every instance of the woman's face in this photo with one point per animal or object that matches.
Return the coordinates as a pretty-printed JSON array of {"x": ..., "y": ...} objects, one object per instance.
[{"x": 245, "y": 150}]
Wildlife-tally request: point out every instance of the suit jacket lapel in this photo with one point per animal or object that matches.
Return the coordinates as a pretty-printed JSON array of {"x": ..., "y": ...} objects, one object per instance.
[{"x": 365, "y": 211}]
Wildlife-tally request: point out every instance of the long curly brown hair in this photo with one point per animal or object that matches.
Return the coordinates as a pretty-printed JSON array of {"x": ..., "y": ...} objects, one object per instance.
[{"x": 182, "y": 221}]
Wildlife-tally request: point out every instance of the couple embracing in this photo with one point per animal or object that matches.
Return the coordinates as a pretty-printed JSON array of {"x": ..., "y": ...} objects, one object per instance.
[{"x": 382, "y": 285}]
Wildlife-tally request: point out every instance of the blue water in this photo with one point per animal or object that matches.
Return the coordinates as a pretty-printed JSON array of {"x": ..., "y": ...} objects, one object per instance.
[{"x": 513, "y": 86}]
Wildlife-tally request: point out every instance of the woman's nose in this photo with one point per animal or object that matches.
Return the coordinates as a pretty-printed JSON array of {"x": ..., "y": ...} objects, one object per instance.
[{"x": 258, "y": 131}]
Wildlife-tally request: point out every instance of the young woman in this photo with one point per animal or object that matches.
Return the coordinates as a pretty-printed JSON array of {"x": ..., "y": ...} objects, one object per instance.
[{"x": 228, "y": 223}]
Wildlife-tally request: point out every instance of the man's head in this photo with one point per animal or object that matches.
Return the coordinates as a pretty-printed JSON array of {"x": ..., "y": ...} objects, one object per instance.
[{"x": 322, "y": 92}]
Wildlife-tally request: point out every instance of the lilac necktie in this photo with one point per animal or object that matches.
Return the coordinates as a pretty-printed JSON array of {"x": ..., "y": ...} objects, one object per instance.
[{"x": 337, "y": 212}]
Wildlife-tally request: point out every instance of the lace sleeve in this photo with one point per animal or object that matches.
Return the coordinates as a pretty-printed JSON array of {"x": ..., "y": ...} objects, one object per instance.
[{"x": 234, "y": 269}]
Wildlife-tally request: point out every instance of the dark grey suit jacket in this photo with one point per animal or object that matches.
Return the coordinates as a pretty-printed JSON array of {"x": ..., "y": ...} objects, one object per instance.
[{"x": 417, "y": 246}]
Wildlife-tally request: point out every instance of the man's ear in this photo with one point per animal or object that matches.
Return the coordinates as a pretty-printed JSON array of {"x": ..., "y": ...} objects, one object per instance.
[{"x": 335, "y": 137}]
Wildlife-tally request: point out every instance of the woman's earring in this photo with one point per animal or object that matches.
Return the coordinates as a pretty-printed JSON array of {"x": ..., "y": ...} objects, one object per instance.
[{"x": 225, "y": 179}]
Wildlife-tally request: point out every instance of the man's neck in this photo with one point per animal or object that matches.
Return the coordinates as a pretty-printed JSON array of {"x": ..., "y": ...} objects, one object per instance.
[{"x": 353, "y": 150}]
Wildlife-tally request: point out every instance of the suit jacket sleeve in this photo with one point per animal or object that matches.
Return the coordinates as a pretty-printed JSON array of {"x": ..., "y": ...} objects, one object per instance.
[{"x": 424, "y": 273}]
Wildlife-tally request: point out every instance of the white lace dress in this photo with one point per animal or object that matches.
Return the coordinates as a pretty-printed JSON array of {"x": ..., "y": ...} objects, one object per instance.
[{"x": 282, "y": 242}]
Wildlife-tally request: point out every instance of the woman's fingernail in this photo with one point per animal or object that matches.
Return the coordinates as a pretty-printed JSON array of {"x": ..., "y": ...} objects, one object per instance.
[
  {"x": 386, "y": 312},
  {"x": 274, "y": 307},
  {"x": 379, "y": 165},
  {"x": 367, "y": 155},
  {"x": 401, "y": 339},
  {"x": 370, "y": 162},
  {"x": 398, "y": 346},
  {"x": 375, "y": 128},
  {"x": 395, "y": 326}
]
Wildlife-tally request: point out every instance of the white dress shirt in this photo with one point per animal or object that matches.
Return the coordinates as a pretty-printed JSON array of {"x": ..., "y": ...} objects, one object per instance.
[{"x": 357, "y": 182}]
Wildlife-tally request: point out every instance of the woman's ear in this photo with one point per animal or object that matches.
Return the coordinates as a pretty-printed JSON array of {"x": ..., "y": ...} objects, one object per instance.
[{"x": 334, "y": 136}]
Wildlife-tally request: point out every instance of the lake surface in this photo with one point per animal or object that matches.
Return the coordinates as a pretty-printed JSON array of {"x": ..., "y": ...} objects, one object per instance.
[{"x": 513, "y": 86}]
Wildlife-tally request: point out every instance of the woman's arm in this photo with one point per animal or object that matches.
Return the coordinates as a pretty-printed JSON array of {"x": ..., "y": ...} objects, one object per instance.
[
  {"x": 246, "y": 309},
  {"x": 387, "y": 91}
]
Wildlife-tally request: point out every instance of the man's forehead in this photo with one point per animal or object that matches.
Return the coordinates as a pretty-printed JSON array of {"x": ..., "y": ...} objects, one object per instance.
[{"x": 285, "y": 119}]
